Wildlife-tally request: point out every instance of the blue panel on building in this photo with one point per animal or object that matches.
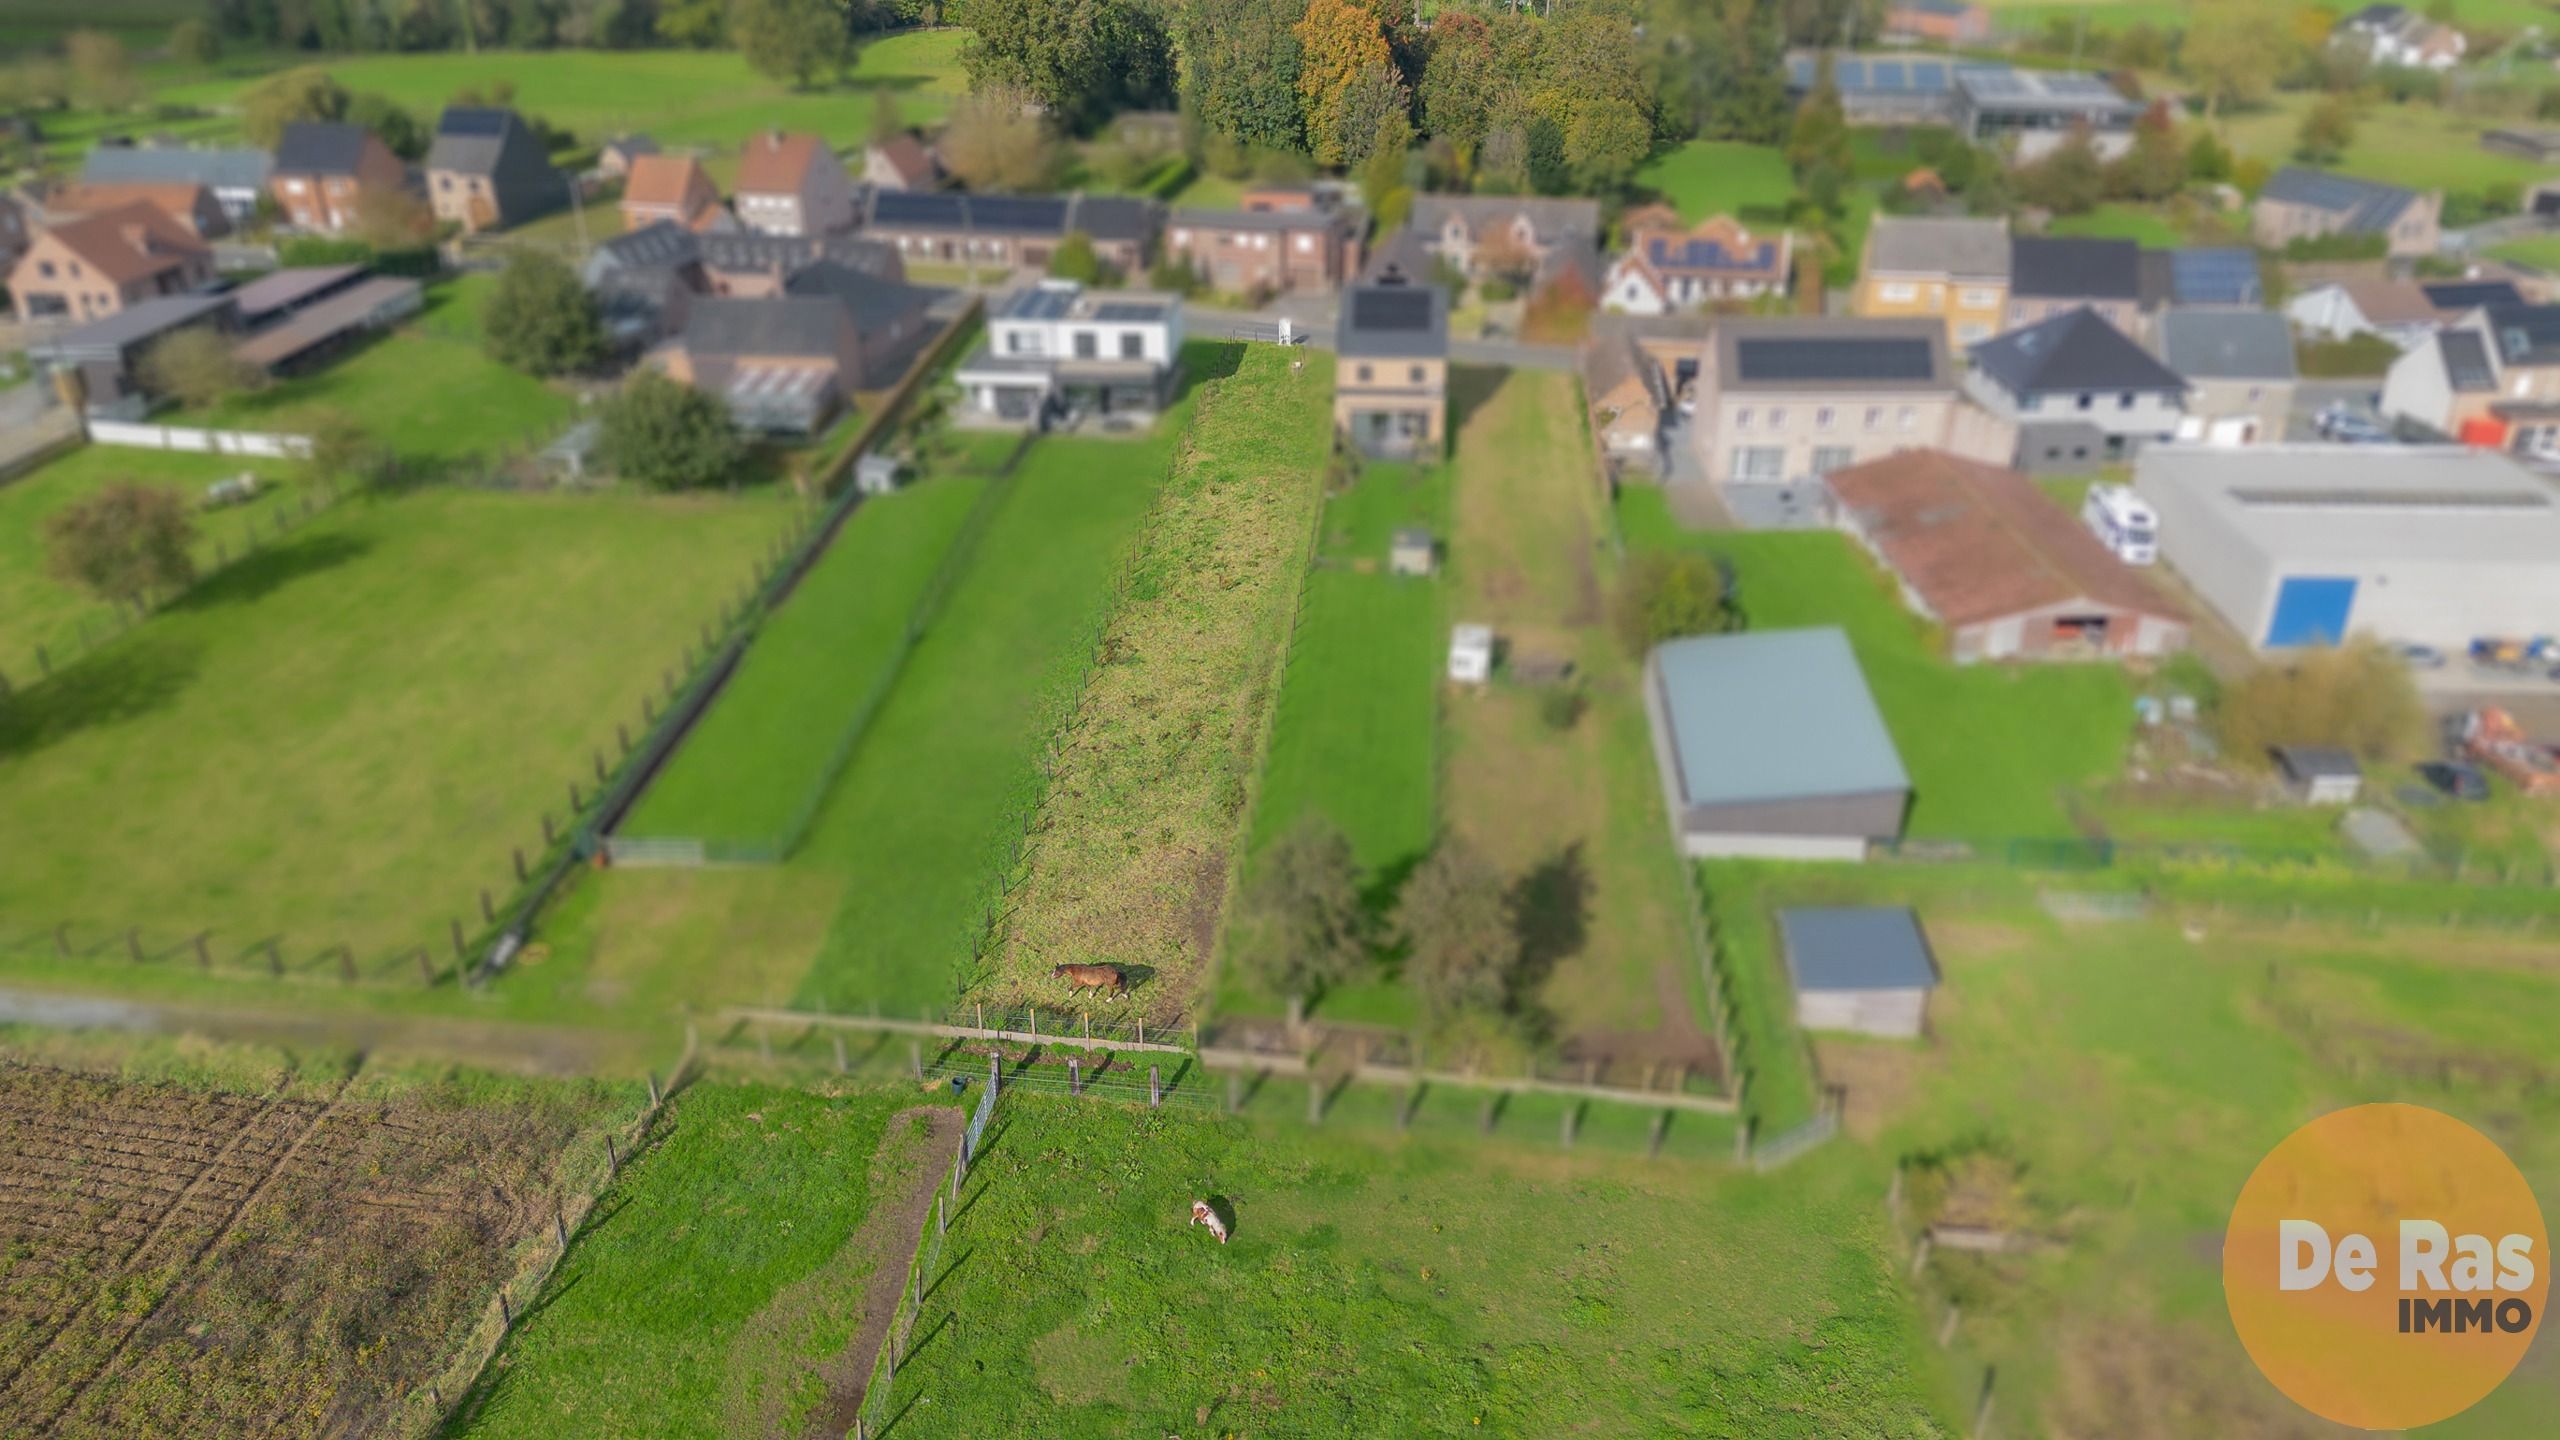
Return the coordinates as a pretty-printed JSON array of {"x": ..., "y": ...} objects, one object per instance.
[{"x": 2311, "y": 610}]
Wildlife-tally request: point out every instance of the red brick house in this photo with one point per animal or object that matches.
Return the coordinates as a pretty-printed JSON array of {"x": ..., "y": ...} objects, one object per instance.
[
  {"x": 95, "y": 266},
  {"x": 1266, "y": 251},
  {"x": 323, "y": 172}
]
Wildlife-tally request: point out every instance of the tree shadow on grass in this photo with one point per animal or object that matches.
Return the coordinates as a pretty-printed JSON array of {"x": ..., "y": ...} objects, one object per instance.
[
  {"x": 1207, "y": 360},
  {"x": 255, "y": 576},
  {"x": 124, "y": 681},
  {"x": 1470, "y": 386},
  {"x": 1551, "y": 915}
]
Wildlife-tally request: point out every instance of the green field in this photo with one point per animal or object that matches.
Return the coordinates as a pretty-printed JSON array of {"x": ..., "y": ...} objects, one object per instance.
[
  {"x": 340, "y": 739},
  {"x": 1700, "y": 178},
  {"x": 726, "y": 1276},
  {"x": 36, "y": 609},
  {"x": 2122, "y": 222},
  {"x": 1355, "y": 738},
  {"x": 2541, "y": 252},
  {"x": 760, "y": 752},
  {"x": 1991, "y": 750},
  {"x": 1426, "y": 1289},
  {"x": 426, "y": 390},
  {"x": 2413, "y": 144}
]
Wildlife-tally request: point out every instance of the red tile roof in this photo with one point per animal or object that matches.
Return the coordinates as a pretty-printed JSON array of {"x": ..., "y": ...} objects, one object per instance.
[
  {"x": 130, "y": 242},
  {"x": 777, "y": 162},
  {"x": 1979, "y": 542},
  {"x": 661, "y": 180}
]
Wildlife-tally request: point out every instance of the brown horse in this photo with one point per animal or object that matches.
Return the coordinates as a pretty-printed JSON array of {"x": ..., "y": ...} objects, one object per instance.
[{"x": 1093, "y": 977}]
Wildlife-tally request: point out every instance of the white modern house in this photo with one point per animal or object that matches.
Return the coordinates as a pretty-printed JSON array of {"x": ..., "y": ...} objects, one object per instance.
[
  {"x": 1053, "y": 351},
  {"x": 2081, "y": 393}
]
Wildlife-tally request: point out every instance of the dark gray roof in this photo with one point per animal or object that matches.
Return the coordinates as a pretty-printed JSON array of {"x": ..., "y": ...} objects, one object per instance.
[
  {"x": 2526, "y": 334},
  {"x": 2227, "y": 344},
  {"x": 316, "y": 148},
  {"x": 1811, "y": 352},
  {"x": 870, "y": 300},
  {"x": 775, "y": 325},
  {"x": 131, "y": 326},
  {"x": 213, "y": 169},
  {"x": 2076, "y": 350},
  {"x": 472, "y": 139},
  {"x": 1104, "y": 217},
  {"x": 2301, "y": 762},
  {"x": 1774, "y": 715},
  {"x": 660, "y": 245},
  {"x": 2466, "y": 362},
  {"x": 1396, "y": 321},
  {"x": 1856, "y": 948},
  {"x": 2074, "y": 267},
  {"x": 1550, "y": 216},
  {"x": 790, "y": 254},
  {"x": 2365, "y": 205},
  {"x": 1115, "y": 217},
  {"x": 2460, "y": 295},
  {"x": 2208, "y": 275}
]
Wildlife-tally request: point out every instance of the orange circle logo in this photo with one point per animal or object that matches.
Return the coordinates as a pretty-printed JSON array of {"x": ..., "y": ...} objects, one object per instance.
[{"x": 2386, "y": 1266}]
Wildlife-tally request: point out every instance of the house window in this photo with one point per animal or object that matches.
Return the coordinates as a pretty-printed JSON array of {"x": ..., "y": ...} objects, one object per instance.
[
  {"x": 1909, "y": 417},
  {"x": 1414, "y": 375},
  {"x": 2125, "y": 401},
  {"x": 1827, "y": 458},
  {"x": 1363, "y": 375},
  {"x": 1760, "y": 462},
  {"x": 1980, "y": 299},
  {"x": 1133, "y": 346},
  {"x": 1822, "y": 418},
  {"x": 45, "y": 268},
  {"x": 2087, "y": 400},
  {"x": 1742, "y": 418},
  {"x": 1777, "y": 417},
  {"x": 2257, "y": 393},
  {"x": 1967, "y": 334},
  {"x": 1088, "y": 345},
  {"x": 444, "y": 182},
  {"x": 1875, "y": 416},
  {"x": 1897, "y": 292},
  {"x": 1181, "y": 237},
  {"x": 1306, "y": 244}
]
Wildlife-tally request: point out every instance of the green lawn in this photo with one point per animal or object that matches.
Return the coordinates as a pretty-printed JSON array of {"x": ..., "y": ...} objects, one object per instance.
[
  {"x": 1700, "y": 178},
  {"x": 716, "y": 1282},
  {"x": 758, "y": 755},
  {"x": 1991, "y": 749},
  {"x": 1427, "y": 1289},
  {"x": 2541, "y": 252},
  {"x": 1355, "y": 737},
  {"x": 1777, "y": 1085},
  {"x": 38, "y": 610},
  {"x": 2416, "y": 144},
  {"x": 682, "y": 97},
  {"x": 340, "y": 739},
  {"x": 426, "y": 390},
  {"x": 2122, "y": 222}
]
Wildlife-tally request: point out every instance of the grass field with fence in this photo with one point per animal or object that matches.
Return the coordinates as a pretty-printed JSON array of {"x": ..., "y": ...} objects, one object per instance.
[
  {"x": 37, "y": 609},
  {"x": 720, "y": 1297},
  {"x": 755, "y": 758},
  {"x": 1129, "y": 857},
  {"x": 340, "y": 739},
  {"x": 1423, "y": 1289}
]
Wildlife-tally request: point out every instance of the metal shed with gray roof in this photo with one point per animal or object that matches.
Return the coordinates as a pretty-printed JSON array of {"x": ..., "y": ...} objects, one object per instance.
[
  {"x": 1770, "y": 744},
  {"x": 1861, "y": 969}
]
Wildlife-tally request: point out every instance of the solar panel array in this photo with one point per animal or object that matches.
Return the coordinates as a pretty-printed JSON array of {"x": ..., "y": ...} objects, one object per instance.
[
  {"x": 2397, "y": 499},
  {"x": 1128, "y": 312},
  {"x": 1393, "y": 307},
  {"x": 1040, "y": 302},
  {"x": 1801, "y": 358},
  {"x": 2219, "y": 276},
  {"x": 916, "y": 207},
  {"x": 1018, "y": 212},
  {"x": 1854, "y": 75},
  {"x": 472, "y": 120}
]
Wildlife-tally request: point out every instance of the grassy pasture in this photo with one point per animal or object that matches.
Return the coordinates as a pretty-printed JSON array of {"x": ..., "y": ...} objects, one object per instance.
[
  {"x": 1700, "y": 178},
  {"x": 717, "y": 1297},
  {"x": 425, "y": 390},
  {"x": 339, "y": 739},
  {"x": 1129, "y": 859},
  {"x": 37, "y": 609},
  {"x": 751, "y": 761},
  {"x": 2122, "y": 222},
  {"x": 2413, "y": 144},
  {"x": 1423, "y": 1289}
]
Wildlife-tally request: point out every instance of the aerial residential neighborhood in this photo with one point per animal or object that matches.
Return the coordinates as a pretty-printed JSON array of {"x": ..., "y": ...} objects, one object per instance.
[{"x": 1164, "y": 718}]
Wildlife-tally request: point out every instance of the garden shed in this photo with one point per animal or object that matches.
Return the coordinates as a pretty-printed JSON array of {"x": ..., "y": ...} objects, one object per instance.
[
  {"x": 1864, "y": 970},
  {"x": 2319, "y": 774},
  {"x": 1410, "y": 552}
]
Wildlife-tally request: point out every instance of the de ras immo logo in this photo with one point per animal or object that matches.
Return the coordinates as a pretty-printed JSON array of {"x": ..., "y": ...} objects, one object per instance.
[{"x": 2386, "y": 1266}]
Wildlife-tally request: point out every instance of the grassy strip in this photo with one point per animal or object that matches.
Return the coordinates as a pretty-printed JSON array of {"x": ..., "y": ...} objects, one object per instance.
[
  {"x": 750, "y": 762},
  {"x": 1419, "y": 1290},
  {"x": 1128, "y": 861},
  {"x": 1774, "y": 1078},
  {"x": 340, "y": 739},
  {"x": 708, "y": 1298}
]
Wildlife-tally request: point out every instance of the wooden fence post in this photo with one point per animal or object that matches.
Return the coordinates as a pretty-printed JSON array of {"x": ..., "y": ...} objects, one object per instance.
[
  {"x": 426, "y": 966},
  {"x": 520, "y": 871},
  {"x": 347, "y": 963},
  {"x": 204, "y": 951},
  {"x": 1572, "y": 1116},
  {"x": 133, "y": 943},
  {"x": 458, "y": 952},
  {"x": 1653, "y": 1140},
  {"x": 62, "y": 939},
  {"x": 612, "y": 1155},
  {"x": 488, "y": 908}
]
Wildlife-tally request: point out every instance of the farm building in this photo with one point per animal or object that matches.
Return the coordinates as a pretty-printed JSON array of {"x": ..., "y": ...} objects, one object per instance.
[
  {"x": 2305, "y": 545},
  {"x": 2010, "y": 574},
  {"x": 1770, "y": 745},
  {"x": 1864, "y": 970}
]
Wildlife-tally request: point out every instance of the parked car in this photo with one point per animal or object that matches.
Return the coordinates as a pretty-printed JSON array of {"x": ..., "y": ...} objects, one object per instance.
[
  {"x": 2421, "y": 657},
  {"x": 2349, "y": 427},
  {"x": 2462, "y": 782}
]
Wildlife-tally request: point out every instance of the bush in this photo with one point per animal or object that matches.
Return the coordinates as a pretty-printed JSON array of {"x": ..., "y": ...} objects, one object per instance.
[
  {"x": 2354, "y": 357},
  {"x": 2357, "y": 697},
  {"x": 665, "y": 435},
  {"x": 123, "y": 543},
  {"x": 1498, "y": 288},
  {"x": 539, "y": 319},
  {"x": 1074, "y": 259},
  {"x": 1670, "y": 593},
  {"x": 2342, "y": 246},
  {"x": 1300, "y": 922}
]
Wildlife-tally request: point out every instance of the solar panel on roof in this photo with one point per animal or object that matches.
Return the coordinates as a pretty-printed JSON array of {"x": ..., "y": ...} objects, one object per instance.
[
  {"x": 1127, "y": 312},
  {"x": 468, "y": 121},
  {"x": 1801, "y": 358},
  {"x": 1886, "y": 75},
  {"x": 2215, "y": 277},
  {"x": 2405, "y": 498},
  {"x": 915, "y": 207},
  {"x": 1018, "y": 212},
  {"x": 1391, "y": 308},
  {"x": 1932, "y": 77},
  {"x": 1849, "y": 74}
]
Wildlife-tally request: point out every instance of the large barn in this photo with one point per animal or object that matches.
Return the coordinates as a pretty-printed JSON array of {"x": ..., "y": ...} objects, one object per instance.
[
  {"x": 1770, "y": 745},
  {"x": 2010, "y": 574},
  {"x": 2306, "y": 545}
]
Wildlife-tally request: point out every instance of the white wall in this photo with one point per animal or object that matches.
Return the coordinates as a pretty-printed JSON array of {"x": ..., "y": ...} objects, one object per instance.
[{"x": 203, "y": 442}]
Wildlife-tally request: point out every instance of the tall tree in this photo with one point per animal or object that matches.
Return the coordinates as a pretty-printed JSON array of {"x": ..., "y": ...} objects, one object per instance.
[
  {"x": 996, "y": 140},
  {"x": 539, "y": 319},
  {"x": 123, "y": 543},
  {"x": 666, "y": 435},
  {"x": 791, "y": 40},
  {"x": 2328, "y": 128},
  {"x": 303, "y": 93},
  {"x": 1819, "y": 138},
  {"x": 1300, "y": 925},
  {"x": 1242, "y": 58},
  {"x": 1605, "y": 140},
  {"x": 1343, "y": 59},
  {"x": 2155, "y": 166},
  {"x": 1464, "y": 89},
  {"x": 1082, "y": 60},
  {"x": 1454, "y": 919},
  {"x": 101, "y": 71},
  {"x": 195, "y": 366},
  {"x": 2234, "y": 51},
  {"x": 195, "y": 42}
]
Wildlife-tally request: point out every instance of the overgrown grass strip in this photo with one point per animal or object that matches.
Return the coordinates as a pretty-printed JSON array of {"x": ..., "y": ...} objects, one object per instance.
[{"x": 1129, "y": 855}]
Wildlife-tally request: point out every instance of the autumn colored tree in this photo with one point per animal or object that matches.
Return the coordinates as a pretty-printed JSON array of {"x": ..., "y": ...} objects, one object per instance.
[
  {"x": 1342, "y": 58},
  {"x": 2155, "y": 167}
]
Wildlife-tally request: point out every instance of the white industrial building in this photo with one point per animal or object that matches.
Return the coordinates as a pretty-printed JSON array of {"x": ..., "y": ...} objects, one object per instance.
[{"x": 2307, "y": 544}]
